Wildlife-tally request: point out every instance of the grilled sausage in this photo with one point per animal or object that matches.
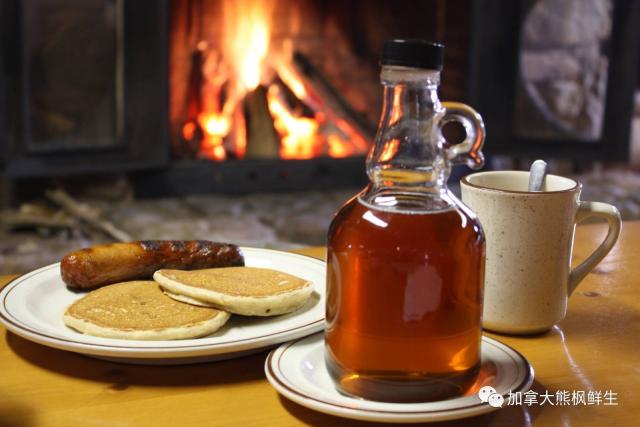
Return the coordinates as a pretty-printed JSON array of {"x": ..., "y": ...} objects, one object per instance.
[{"x": 118, "y": 262}]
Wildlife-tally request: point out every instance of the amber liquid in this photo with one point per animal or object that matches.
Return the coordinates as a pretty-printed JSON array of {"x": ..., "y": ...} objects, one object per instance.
[{"x": 404, "y": 302}]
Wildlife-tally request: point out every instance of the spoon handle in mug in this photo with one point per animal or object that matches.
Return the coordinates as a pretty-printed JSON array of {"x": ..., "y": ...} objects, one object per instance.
[
  {"x": 537, "y": 174},
  {"x": 611, "y": 214}
]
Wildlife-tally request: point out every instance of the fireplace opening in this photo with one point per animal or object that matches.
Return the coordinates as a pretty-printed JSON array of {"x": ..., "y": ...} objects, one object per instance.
[
  {"x": 206, "y": 96},
  {"x": 250, "y": 93},
  {"x": 284, "y": 95}
]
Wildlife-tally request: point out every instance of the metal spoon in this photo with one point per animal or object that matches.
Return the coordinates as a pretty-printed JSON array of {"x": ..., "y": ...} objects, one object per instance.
[{"x": 536, "y": 175}]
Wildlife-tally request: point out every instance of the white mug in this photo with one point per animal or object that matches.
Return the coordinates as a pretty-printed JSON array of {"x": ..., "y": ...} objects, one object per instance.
[{"x": 529, "y": 238}]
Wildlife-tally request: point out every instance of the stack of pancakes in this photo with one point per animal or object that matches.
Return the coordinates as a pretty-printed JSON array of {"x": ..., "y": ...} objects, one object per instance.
[{"x": 185, "y": 304}]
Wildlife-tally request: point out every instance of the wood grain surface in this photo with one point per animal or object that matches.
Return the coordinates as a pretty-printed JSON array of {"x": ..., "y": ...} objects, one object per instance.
[{"x": 595, "y": 348}]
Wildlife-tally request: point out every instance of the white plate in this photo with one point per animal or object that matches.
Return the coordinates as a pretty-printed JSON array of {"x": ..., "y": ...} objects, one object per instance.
[
  {"x": 32, "y": 307},
  {"x": 298, "y": 372}
]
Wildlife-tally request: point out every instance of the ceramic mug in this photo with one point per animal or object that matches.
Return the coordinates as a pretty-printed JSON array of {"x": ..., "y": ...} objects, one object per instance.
[{"x": 529, "y": 238}]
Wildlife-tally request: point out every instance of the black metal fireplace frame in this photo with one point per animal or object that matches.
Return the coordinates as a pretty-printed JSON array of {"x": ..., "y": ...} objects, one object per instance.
[
  {"x": 250, "y": 175},
  {"x": 143, "y": 141}
]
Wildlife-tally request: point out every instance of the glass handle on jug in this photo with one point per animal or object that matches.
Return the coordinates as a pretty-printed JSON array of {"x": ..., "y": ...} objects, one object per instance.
[{"x": 467, "y": 152}]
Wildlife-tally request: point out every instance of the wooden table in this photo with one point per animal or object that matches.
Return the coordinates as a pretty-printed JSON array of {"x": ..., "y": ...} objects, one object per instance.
[{"x": 597, "y": 347}]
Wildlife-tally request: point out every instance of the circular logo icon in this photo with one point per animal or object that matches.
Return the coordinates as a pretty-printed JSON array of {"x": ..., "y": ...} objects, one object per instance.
[
  {"x": 485, "y": 392},
  {"x": 496, "y": 400}
]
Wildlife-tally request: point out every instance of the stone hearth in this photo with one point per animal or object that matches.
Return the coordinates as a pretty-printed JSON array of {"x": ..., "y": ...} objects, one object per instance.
[{"x": 279, "y": 221}]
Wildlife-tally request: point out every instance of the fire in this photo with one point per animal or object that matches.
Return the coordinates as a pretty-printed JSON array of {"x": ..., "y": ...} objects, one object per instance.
[
  {"x": 215, "y": 127},
  {"x": 215, "y": 124},
  {"x": 247, "y": 33},
  {"x": 245, "y": 61},
  {"x": 240, "y": 133},
  {"x": 299, "y": 134},
  {"x": 292, "y": 80},
  {"x": 189, "y": 131},
  {"x": 337, "y": 147},
  {"x": 360, "y": 143}
]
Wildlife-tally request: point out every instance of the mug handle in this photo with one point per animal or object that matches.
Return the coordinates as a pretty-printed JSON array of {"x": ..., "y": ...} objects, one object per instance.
[
  {"x": 611, "y": 214},
  {"x": 469, "y": 150}
]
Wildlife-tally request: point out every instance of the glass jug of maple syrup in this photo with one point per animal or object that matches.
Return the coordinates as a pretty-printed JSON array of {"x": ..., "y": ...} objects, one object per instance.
[{"x": 405, "y": 261}]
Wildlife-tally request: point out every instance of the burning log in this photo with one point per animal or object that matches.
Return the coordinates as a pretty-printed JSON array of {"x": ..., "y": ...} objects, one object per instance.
[
  {"x": 338, "y": 134},
  {"x": 262, "y": 139},
  {"x": 192, "y": 132},
  {"x": 330, "y": 96}
]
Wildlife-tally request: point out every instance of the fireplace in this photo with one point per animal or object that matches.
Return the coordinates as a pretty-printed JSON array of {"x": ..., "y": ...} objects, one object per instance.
[
  {"x": 281, "y": 95},
  {"x": 198, "y": 96},
  {"x": 243, "y": 88}
]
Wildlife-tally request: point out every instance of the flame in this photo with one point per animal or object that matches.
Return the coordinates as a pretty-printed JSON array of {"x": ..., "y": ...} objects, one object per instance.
[
  {"x": 215, "y": 127},
  {"x": 292, "y": 80},
  {"x": 342, "y": 141},
  {"x": 215, "y": 124},
  {"x": 341, "y": 138},
  {"x": 337, "y": 147},
  {"x": 247, "y": 32},
  {"x": 189, "y": 131},
  {"x": 240, "y": 133},
  {"x": 298, "y": 134},
  {"x": 245, "y": 45}
]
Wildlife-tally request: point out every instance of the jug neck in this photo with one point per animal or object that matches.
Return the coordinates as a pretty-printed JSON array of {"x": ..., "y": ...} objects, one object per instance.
[{"x": 408, "y": 154}]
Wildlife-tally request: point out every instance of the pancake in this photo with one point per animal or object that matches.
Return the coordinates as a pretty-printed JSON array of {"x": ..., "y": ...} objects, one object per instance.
[
  {"x": 186, "y": 299},
  {"x": 139, "y": 310},
  {"x": 247, "y": 291}
]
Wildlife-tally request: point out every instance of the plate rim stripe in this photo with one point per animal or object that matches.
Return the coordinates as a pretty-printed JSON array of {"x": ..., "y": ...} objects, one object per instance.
[
  {"x": 7, "y": 317},
  {"x": 528, "y": 378}
]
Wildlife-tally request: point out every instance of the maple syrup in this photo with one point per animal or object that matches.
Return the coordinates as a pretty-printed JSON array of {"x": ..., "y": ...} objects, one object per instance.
[
  {"x": 404, "y": 302},
  {"x": 405, "y": 261}
]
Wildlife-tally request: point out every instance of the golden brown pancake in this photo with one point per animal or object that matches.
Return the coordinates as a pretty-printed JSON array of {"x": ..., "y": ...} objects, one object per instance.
[
  {"x": 248, "y": 291},
  {"x": 140, "y": 310}
]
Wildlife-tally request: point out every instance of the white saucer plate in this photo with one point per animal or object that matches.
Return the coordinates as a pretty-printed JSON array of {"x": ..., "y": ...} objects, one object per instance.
[
  {"x": 297, "y": 371},
  {"x": 32, "y": 306}
]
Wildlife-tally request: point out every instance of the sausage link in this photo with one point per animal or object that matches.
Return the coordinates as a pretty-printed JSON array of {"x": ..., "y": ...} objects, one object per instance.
[{"x": 101, "y": 265}]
